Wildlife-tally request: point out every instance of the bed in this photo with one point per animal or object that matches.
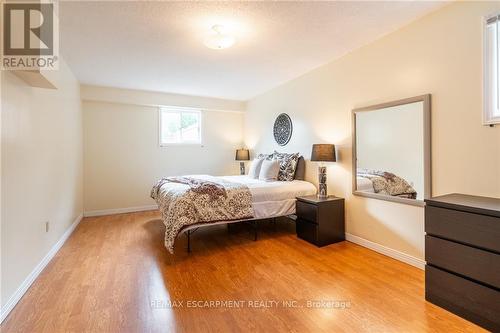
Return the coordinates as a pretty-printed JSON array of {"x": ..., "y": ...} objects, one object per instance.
[{"x": 191, "y": 202}]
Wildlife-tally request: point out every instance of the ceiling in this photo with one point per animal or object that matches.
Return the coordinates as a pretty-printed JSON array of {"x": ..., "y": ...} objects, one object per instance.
[{"x": 158, "y": 46}]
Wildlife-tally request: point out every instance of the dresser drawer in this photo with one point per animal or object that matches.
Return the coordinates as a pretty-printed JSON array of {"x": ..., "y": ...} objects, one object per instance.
[
  {"x": 476, "y": 264},
  {"x": 469, "y": 228},
  {"x": 307, "y": 211},
  {"x": 465, "y": 298}
]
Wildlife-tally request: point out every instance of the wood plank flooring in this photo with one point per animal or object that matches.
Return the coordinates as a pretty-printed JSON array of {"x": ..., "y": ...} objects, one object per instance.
[{"x": 114, "y": 275}]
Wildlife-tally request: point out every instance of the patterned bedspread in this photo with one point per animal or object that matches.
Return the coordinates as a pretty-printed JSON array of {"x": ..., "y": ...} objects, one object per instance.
[
  {"x": 388, "y": 183},
  {"x": 185, "y": 201}
]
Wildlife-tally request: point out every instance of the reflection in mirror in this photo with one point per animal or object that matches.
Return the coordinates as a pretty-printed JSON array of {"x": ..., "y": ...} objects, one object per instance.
[{"x": 391, "y": 151}]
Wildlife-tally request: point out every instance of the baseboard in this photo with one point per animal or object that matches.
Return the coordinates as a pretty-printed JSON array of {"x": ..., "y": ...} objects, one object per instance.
[
  {"x": 113, "y": 211},
  {"x": 419, "y": 263},
  {"x": 14, "y": 299}
]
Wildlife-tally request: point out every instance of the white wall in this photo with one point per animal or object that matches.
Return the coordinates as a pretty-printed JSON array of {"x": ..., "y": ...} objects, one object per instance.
[
  {"x": 439, "y": 54},
  {"x": 123, "y": 158},
  {"x": 392, "y": 139},
  {"x": 41, "y": 171},
  {"x": 151, "y": 98}
]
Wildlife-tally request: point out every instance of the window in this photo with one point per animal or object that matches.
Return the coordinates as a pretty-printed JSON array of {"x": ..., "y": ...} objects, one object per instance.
[
  {"x": 179, "y": 126},
  {"x": 491, "y": 71}
]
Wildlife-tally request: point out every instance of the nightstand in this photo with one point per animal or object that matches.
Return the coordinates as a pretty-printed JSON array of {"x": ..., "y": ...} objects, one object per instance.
[{"x": 320, "y": 221}]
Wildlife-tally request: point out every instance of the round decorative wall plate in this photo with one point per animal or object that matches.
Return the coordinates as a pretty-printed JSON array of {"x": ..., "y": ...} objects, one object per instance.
[{"x": 282, "y": 129}]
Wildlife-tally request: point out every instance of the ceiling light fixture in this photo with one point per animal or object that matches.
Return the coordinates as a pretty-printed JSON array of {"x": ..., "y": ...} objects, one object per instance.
[{"x": 219, "y": 40}]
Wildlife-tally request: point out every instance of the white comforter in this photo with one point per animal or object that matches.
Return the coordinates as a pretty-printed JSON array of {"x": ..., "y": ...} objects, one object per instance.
[
  {"x": 276, "y": 198},
  {"x": 364, "y": 185}
]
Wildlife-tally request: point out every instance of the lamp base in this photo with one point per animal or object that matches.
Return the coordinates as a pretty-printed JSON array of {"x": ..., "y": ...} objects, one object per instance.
[
  {"x": 322, "y": 188},
  {"x": 242, "y": 168}
]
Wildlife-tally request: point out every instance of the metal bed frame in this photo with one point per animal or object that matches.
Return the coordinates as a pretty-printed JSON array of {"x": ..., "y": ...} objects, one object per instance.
[{"x": 191, "y": 229}]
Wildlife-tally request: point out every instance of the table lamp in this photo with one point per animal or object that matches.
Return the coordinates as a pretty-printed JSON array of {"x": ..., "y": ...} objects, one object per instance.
[
  {"x": 322, "y": 153},
  {"x": 242, "y": 155}
]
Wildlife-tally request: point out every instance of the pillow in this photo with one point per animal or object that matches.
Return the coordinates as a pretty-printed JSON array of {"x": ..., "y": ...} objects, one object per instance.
[
  {"x": 288, "y": 165},
  {"x": 265, "y": 156},
  {"x": 254, "y": 170},
  {"x": 301, "y": 169},
  {"x": 269, "y": 170}
]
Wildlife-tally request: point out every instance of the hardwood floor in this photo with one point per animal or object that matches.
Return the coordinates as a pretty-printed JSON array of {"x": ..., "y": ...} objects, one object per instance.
[{"x": 114, "y": 275}]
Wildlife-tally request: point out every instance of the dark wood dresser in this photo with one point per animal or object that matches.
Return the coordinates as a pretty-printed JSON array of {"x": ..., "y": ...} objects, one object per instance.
[
  {"x": 462, "y": 250},
  {"x": 320, "y": 221}
]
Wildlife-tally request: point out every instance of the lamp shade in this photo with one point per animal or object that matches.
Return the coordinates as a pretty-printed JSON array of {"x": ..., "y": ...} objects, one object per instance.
[
  {"x": 242, "y": 155},
  {"x": 323, "y": 153}
]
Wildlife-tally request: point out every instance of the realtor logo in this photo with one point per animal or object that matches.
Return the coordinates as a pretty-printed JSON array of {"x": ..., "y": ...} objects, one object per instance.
[{"x": 30, "y": 39}]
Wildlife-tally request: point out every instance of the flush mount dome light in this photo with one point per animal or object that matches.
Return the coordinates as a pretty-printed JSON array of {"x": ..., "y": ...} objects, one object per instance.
[{"x": 218, "y": 40}]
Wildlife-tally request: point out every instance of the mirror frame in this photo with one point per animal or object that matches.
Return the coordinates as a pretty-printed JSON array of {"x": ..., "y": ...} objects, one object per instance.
[{"x": 426, "y": 99}]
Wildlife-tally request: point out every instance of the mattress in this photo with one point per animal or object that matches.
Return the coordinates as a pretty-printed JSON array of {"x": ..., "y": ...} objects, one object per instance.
[{"x": 276, "y": 198}]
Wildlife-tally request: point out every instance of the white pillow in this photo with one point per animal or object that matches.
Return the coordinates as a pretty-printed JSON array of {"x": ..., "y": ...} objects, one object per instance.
[
  {"x": 254, "y": 170},
  {"x": 269, "y": 170}
]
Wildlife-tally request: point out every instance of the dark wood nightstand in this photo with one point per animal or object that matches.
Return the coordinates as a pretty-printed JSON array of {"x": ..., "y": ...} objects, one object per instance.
[{"x": 320, "y": 221}]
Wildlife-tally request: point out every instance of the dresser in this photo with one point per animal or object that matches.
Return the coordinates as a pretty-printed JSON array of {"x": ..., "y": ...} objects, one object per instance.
[
  {"x": 320, "y": 221},
  {"x": 462, "y": 250}
]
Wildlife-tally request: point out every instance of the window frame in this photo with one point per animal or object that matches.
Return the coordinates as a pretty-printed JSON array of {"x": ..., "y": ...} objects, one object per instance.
[
  {"x": 177, "y": 109},
  {"x": 489, "y": 116}
]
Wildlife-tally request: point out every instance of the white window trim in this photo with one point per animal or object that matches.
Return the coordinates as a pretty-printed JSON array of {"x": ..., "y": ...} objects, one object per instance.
[
  {"x": 179, "y": 109},
  {"x": 488, "y": 117}
]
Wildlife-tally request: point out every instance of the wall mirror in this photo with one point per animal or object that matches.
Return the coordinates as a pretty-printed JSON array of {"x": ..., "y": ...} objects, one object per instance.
[{"x": 391, "y": 151}]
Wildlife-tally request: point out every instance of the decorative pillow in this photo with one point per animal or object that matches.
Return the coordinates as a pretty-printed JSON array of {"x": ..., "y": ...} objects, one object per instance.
[
  {"x": 288, "y": 165},
  {"x": 254, "y": 170},
  {"x": 265, "y": 156},
  {"x": 269, "y": 170}
]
